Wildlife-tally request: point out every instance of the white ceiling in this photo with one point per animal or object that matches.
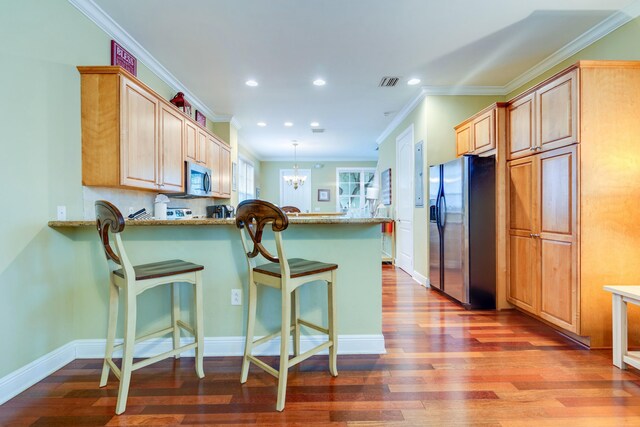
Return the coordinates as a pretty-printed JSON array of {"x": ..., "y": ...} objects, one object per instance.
[{"x": 213, "y": 47}]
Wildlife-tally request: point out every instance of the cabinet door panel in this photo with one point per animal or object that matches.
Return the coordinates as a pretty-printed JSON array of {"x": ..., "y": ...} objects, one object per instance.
[
  {"x": 172, "y": 163},
  {"x": 484, "y": 133},
  {"x": 225, "y": 172},
  {"x": 463, "y": 140},
  {"x": 558, "y": 286},
  {"x": 191, "y": 142},
  {"x": 214, "y": 165},
  {"x": 521, "y": 127},
  {"x": 201, "y": 156},
  {"x": 521, "y": 195},
  {"x": 557, "y": 180},
  {"x": 522, "y": 285},
  {"x": 557, "y": 108},
  {"x": 139, "y": 117}
]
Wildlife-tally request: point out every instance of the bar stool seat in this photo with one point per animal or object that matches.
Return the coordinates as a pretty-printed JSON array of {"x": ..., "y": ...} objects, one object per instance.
[
  {"x": 130, "y": 281},
  {"x": 161, "y": 269},
  {"x": 298, "y": 267},
  {"x": 286, "y": 275}
]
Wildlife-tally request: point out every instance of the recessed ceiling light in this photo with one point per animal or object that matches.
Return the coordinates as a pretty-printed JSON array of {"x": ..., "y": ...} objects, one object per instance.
[
  {"x": 261, "y": 124},
  {"x": 314, "y": 124},
  {"x": 319, "y": 82},
  {"x": 413, "y": 82},
  {"x": 251, "y": 83},
  {"x": 288, "y": 124}
]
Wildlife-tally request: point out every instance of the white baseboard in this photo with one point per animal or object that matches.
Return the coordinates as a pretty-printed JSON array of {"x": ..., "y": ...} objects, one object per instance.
[
  {"x": 18, "y": 381},
  {"x": 21, "y": 379},
  {"x": 420, "y": 278}
]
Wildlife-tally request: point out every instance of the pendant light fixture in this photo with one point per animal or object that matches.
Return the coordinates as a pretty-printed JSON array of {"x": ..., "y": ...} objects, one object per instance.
[{"x": 295, "y": 180}]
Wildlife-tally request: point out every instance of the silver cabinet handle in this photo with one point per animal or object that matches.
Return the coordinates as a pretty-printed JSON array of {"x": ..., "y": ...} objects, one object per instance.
[{"x": 534, "y": 235}]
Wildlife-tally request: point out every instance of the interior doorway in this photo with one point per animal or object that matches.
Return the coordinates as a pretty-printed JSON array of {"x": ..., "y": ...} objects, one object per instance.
[{"x": 404, "y": 200}]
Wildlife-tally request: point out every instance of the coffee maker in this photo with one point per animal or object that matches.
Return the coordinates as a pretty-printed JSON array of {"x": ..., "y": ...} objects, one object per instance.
[{"x": 220, "y": 211}]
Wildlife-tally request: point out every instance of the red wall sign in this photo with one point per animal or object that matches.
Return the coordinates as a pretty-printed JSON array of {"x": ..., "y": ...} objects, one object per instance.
[{"x": 120, "y": 56}]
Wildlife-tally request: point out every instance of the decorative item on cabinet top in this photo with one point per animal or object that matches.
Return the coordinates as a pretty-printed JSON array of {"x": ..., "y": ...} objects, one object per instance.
[{"x": 181, "y": 103}]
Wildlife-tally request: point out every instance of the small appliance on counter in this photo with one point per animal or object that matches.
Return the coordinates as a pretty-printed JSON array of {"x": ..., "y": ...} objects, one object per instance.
[
  {"x": 179, "y": 213},
  {"x": 220, "y": 211}
]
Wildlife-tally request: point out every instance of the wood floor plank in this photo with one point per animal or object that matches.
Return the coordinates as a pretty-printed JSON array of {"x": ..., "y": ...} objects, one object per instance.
[{"x": 444, "y": 366}]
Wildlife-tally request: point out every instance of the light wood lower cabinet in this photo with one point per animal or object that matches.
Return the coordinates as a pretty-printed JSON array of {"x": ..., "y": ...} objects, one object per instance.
[{"x": 543, "y": 254}]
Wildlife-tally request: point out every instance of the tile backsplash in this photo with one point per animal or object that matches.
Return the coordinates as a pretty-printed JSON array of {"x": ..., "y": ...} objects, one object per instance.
[{"x": 125, "y": 199}]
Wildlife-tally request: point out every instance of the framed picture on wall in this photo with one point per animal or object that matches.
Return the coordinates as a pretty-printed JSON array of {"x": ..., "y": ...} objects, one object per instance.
[{"x": 324, "y": 195}]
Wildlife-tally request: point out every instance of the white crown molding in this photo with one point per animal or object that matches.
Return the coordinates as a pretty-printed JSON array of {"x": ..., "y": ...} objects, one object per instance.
[
  {"x": 19, "y": 380},
  {"x": 605, "y": 27},
  {"x": 113, "y": 29},
  {"x": 464, "y": 90},
  {"x": 227, "y": 118},
  {"x": 402, "y": 114},
  {"x": 320, "y": 159}
]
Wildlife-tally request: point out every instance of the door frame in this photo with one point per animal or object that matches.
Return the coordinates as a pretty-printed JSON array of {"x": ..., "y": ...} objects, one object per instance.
[{"x": 408, "y": 131}]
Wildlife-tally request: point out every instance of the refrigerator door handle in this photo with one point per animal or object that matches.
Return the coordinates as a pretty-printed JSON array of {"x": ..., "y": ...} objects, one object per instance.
[{"x": 442, "y": 211}]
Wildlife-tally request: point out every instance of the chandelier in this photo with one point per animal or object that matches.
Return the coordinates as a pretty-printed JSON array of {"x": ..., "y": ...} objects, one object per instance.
[{"x": 295, "y": 180}]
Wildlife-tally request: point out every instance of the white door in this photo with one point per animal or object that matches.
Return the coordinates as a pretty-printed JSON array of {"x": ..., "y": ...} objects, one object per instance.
[
  {"x": 301, "y": 197},
  {"x": 404, "y": 200}
]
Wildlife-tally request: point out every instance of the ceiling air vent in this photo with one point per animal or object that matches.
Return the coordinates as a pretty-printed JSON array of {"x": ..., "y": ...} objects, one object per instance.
[
  {"x": 388, "y": 81},
  {"x": 316, "y": 130}
]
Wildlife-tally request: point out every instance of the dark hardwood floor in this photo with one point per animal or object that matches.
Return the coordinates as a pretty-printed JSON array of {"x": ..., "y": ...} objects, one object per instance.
[{"x": 445, "y": 366}]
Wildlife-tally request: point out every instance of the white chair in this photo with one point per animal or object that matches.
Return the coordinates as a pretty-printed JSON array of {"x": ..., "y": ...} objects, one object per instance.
[
  {"x": 131, "y": 281},
  {"x": 287, "y": 275}
]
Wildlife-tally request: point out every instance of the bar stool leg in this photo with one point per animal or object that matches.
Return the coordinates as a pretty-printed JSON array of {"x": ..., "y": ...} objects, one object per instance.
[
  {"x": 295, "y": 314},
  {"x": 333, "y": 350},
  {"x": 199, "y": 326},
  {"x": 175, "y": 316},
  {"x": 111, "y": 331},
  {"x": 251, "y": 322},
  {"x": 285, "y": 332},
  {"x": 127, "y": 352}
]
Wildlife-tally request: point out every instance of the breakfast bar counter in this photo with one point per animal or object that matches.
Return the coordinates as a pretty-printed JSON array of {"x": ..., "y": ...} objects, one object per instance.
[{"x": 353, "y": 243}]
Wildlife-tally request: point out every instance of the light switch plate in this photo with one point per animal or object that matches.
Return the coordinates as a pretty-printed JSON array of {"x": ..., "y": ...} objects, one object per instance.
[{"x": 62, "y": 213}]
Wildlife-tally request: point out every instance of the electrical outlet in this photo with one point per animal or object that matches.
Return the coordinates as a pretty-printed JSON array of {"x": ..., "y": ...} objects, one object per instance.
[
  {"x": 236, "y": 296},
  {"x": 62, "y": 213}
]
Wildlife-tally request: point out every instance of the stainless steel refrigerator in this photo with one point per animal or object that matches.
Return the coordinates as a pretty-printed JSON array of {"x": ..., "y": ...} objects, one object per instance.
[{"x": 462, "y": 249}]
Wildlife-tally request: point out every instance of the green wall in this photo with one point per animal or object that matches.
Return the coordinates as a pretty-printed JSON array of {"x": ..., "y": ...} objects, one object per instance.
[{"x": 324, "y": 177}]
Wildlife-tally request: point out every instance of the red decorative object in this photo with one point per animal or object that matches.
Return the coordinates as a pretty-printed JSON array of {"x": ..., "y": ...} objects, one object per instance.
[
  {"x": 181, "y": 103},
  {"x": 201, "y": 118},
  {"x": 120, "y": 56}
]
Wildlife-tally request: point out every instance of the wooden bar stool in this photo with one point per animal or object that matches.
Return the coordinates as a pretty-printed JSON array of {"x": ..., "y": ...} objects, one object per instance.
[
  {"x": 287, "y": 275},
  {"x": 290, "y": 209},
  {"x": 131, "y": 281}
]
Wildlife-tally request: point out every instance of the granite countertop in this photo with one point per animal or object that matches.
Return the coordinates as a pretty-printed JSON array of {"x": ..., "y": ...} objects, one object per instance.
[{"x": 226, "y": 221}]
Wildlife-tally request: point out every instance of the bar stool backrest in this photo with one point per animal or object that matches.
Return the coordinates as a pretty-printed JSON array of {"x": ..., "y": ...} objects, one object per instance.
[
  {"x": 252, "y": 216},
  {"x": 110, "y": 220},
  {"x": 290, "y": 209}
]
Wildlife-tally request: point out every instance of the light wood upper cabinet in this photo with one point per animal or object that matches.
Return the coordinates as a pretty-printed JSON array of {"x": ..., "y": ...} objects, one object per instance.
[
  {"x": 171, "y": 148},
  {"x": 521, "y": 120},
  {"x": 225, "y": 171},
  {"x": 483, "y": 132},
  {"x": 557, "y": 110},
  {"x": 214, "y": 165},
  {"x": 463, "y": 139},
  {"x": 546, "y": 117},
  {"x": 202, "y": 151},
  {"x": 479, "y": 133},
  {"x": 190, "y": 142},
  {"x": 139, "y": 129},
  {"x": 133, "y": 138}
]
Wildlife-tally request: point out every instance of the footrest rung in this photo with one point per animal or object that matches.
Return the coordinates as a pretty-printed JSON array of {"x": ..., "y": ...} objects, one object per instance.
[
  {"x": 259, "y": 363},
  {"x": 114, "y": 368},
  {"x": 161, "y": 356},
  {"x": 309, "y": 353},
  {"x": 313, "y": 326}
]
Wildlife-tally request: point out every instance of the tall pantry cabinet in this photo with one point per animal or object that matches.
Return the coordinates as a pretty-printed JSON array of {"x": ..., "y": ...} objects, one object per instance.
[{"x": 573, "y": 196}]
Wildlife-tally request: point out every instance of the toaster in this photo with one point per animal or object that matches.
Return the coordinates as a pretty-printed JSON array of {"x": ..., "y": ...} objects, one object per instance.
[{"x": 179, "y": 213}]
